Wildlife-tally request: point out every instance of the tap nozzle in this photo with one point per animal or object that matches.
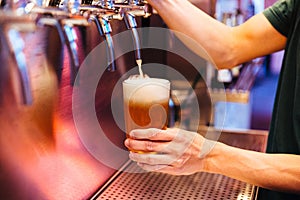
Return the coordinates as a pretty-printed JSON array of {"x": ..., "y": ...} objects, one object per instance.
[
  {"x": 70, "y": 41},
  {"x": 132, "y": 25},
  {"x": 17, "y": 46},
  {"x": 110, "y": 44}
]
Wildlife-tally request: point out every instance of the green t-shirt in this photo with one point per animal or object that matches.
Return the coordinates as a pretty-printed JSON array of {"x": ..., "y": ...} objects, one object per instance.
[{"x": 284, "y": 136}]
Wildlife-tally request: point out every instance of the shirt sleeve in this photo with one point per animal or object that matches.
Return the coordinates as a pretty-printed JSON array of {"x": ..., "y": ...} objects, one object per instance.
[{"x": 280, "y": 15}]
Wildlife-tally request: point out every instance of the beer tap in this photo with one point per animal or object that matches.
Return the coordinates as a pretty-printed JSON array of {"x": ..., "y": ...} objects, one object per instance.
[
  {"x": 136, "y": 8},
  {"x": 12, "y": 25},
  {"x": 67, "y": 37},
  {"x": 132, "y": 25},
  {"x": 73, "y": 7},
  {"x": 110, "y": 44},
  {"x": 108, "y": 4},
  {"x": 106, "y": 10},
  {"x": 127, "y": 13},
  {"x": 71, "y": 38},
  {"x": 101, "y": 15},
  {"x": 64, "y": 17}
]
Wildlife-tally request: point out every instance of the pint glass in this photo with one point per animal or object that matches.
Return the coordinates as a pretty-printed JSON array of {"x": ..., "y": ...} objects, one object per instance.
[{"x": 146, "y": 103}]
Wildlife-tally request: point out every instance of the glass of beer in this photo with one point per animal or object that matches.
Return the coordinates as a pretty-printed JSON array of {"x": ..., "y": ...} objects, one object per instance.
[{"x": 146, "y": 103}]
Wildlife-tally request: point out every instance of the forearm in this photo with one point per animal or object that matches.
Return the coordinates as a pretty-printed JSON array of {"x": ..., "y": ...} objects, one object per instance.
[
  {"x": 224, "y": 46},
  {"x": 214, "y": 38},
  {"x": 273, "y": 171}
]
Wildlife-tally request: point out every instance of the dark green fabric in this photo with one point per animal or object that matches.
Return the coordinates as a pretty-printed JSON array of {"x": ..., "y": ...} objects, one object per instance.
[{"x": 284, "y": 136}]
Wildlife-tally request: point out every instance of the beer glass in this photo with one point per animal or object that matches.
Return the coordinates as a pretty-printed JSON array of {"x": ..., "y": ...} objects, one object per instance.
[{"x": 146, "y": 103}]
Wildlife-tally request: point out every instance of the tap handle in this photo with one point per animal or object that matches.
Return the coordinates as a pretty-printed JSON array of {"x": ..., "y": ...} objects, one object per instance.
[
  {"x": 109, "y": 4},
  {"x": 54, "y": 3},
  {"x": 70, "y": 6},
  {"x": 86, "y": 2},
  {"x": 135, "y": 2},
  {"x": 74, "y": 6}
]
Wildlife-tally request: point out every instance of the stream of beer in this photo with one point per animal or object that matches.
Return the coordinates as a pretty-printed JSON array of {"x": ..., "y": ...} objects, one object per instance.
[{"x": 139, "y": 63}]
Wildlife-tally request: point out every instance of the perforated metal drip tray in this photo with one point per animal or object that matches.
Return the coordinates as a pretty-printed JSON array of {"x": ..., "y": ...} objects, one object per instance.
[{"x": 157, "y": 186}]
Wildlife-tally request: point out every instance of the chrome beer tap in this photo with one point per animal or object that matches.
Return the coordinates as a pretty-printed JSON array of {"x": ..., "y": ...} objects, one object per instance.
[
  {"x": 71, "y": 38},
  {"x": 100, "y": 14},
  {"x": 131, "y": 24},
  {"x": 11, "y": 27},
  {"x": 64, "y": 16},
  {"x": 136, "y": 8},
  {"x": 110, "y": 44}
]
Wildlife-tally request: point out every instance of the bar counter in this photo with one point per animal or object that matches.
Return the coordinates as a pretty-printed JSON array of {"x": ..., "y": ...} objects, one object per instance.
[{"x": 137, "y": 184}]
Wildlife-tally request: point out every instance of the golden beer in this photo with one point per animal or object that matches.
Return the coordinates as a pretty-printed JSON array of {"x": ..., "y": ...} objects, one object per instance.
[{"x": 146, "y": 103}]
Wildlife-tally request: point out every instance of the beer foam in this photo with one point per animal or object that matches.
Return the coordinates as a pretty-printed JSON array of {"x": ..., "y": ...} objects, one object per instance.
[
  {"x": 146, "y": 89},
  {"x": 137, "y": 76}
]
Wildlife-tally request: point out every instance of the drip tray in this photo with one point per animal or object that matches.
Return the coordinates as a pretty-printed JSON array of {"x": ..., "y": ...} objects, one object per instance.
[{"x": 157, "y": 186}]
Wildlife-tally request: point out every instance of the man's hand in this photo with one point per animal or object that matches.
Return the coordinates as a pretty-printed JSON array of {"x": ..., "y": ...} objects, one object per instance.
[{"x": 172, "y": 151}]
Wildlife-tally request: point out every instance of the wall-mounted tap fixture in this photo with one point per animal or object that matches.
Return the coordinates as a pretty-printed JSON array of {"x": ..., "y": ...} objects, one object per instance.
[
  {"x": 105, "y": 10},
  {"x": 100, "y": 16},
  {"x": 64, "y": 18},
  {"x": 137, "y": 8}
]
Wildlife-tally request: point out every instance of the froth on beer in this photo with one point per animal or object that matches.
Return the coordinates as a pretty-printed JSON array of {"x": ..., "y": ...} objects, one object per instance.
[{"x": 146, "y": 103}]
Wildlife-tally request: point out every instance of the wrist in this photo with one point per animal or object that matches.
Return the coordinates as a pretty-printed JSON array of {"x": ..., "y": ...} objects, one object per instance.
[{"x": 212, "y": 155}]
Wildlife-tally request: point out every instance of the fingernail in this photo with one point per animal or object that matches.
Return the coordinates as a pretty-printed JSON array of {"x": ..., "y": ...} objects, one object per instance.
[
  {"x": 131, "y": 134},
  {"x": 127, "y": 142}
]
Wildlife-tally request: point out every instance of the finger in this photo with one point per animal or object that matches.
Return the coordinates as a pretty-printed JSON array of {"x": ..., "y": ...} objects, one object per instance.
[
  {"x": 156, "y": 146},
  {"x": 152, "y": 159},
  {"x": 153, "y": 134},
  {"x": 167, "y": 169},
  {"x": 147, "y": 145},
  {"x": 152, "y": 168}
]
